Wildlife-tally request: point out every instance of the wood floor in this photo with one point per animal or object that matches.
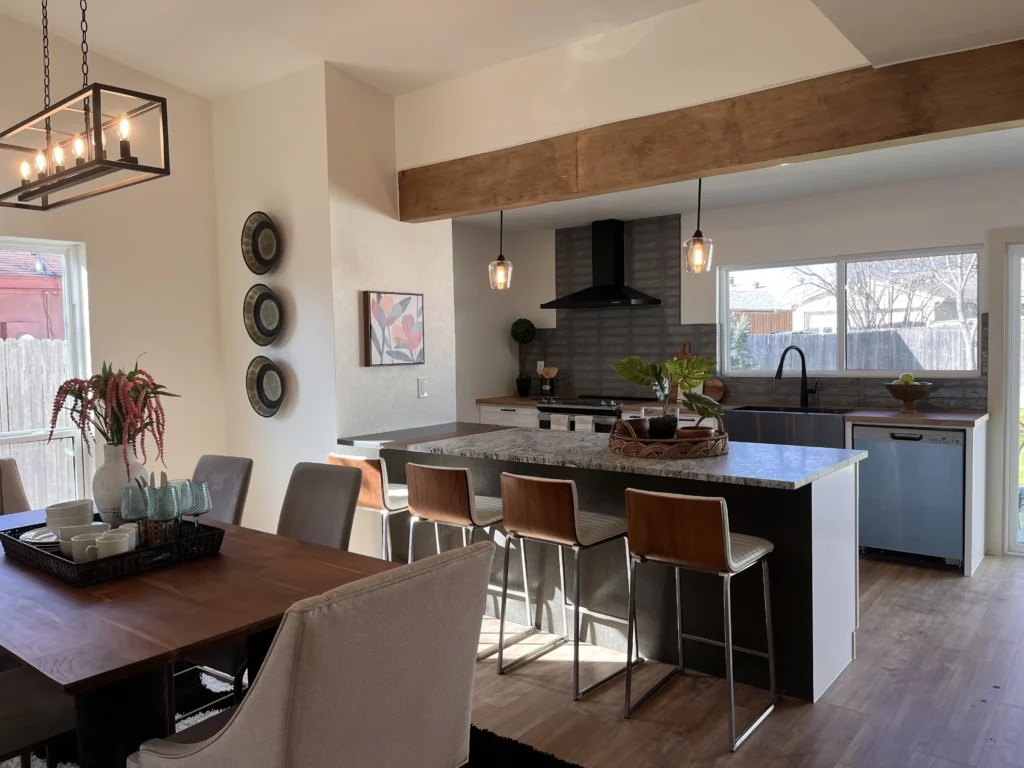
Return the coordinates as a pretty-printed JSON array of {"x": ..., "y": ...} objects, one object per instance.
[{"x": 938, "y": 683}]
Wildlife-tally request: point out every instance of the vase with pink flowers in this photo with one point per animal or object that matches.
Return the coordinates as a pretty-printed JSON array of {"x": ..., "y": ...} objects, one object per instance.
[{"x": 124, "y": 409}]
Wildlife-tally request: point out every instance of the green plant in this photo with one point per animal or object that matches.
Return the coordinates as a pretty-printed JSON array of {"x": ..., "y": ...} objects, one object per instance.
[
  {"x": 688, "y": 372},
  {"x": 523, "y": 332},
  {"x": 739, "y": 337},
  {"x": 706, "y": 408}
]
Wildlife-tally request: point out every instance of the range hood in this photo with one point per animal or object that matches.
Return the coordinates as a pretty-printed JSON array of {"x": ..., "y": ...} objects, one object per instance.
[{"x": 608, "y": 256}]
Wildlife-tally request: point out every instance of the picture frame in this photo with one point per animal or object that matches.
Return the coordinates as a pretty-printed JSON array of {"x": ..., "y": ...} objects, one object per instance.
[{"x": 393, "y": 332}]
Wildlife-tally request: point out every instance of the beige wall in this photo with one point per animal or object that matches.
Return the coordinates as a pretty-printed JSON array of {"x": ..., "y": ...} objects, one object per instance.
[
  {"x": 487, "y": 358},
  {"x": 372, "y": 250},
  {"x": 271, "y": 156},
  {"x": 150, "y": 250},
  {"x": 652, "y": 66}
]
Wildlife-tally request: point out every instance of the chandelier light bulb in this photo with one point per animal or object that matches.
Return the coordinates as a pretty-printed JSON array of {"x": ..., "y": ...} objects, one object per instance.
[
  {"x": 26, "y": 170},
  {"x": 77, "y": 146},
  {"x": 124, "y": 128},
  {"x": 40, "y": 162},
  {"x": 58, "y": 155}
]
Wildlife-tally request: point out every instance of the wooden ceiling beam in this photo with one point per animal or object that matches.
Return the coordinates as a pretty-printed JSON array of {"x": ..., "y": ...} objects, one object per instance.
[{"x": 855, "y": 110}]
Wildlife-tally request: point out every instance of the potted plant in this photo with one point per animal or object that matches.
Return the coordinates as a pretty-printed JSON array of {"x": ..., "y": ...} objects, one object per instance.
[
  {"x": 706, "y": 408},
  {"x": 689, "y": 372},
  {"x": 122, "y": 408},
  {"x": 523, "y": 332}
]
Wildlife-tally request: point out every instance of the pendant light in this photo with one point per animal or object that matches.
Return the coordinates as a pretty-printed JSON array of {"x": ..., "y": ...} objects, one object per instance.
[
  {"x": 697, "y": 250},
  {"x": 66, "y": 142},
  {"x": 500, "y": 270}
]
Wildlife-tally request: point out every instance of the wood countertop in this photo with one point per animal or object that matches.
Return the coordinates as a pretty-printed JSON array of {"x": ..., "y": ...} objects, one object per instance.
[
  {"x": 401, "y": 437},
  {"x": 509, "y": 400},
  {"x": 961, "y": 419}
]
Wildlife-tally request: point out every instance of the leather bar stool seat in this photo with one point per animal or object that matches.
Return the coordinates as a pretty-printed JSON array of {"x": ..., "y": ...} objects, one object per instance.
[{"x": 692, "y": 532}]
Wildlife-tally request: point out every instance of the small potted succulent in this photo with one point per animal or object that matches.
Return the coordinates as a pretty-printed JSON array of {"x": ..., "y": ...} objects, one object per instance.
[
  {"x": 688, "y": 372},
  {"x": 523, "y": 332}
]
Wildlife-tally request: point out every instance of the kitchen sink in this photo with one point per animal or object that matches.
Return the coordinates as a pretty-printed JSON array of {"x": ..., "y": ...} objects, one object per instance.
[
  {"x": 782, "y": 425},
  {"x": 793, "y": 409}
]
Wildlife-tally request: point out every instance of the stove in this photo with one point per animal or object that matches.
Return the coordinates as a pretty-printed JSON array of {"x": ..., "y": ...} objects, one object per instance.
[{"x": 603, "y": 410}]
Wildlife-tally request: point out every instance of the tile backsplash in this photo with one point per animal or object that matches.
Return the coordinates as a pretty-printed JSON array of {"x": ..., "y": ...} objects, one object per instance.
[{"x": 586, "y": 342}]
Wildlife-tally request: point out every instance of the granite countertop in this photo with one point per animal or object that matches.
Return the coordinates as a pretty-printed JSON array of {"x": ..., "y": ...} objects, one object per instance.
[{"x": 757, "y": 464}]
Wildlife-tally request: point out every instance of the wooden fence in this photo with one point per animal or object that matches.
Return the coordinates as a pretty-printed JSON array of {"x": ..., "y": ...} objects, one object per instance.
[
  {"x": 31, "y": 370},
  {"x": 888, "y": 349}
]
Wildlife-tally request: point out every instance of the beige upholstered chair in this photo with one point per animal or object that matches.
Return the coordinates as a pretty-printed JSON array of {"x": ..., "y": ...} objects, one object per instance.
[
  {"x": 376, "y": 673},
  {"x": 228, "y": 479},
  {"x": 12, "y": 492}
]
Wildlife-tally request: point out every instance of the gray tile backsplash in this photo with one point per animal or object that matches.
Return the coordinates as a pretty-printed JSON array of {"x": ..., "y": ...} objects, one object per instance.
[{"x": 586, "y": 342}]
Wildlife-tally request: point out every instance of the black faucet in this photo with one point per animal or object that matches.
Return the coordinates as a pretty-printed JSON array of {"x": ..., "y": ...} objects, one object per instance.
[{"x": 804, "y": 389}]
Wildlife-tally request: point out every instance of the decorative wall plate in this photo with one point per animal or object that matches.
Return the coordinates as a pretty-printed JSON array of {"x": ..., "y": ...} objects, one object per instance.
[
  {"x": 264, "y": 384},
  {"x": 261, "y": 245},
  {"x": 261, "y": 312}
]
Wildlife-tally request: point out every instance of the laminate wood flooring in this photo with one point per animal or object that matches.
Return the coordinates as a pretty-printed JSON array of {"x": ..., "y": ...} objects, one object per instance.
[{"x": 938, "y": 683}]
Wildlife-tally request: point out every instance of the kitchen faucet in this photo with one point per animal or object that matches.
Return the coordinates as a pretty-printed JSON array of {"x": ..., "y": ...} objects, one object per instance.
[{"x": 804, "y": 389}]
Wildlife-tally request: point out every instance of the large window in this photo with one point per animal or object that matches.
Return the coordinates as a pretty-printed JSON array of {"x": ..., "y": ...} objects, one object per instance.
[
  {"x": 879, "y": 314},
  {"x": 42, "y": 343}
]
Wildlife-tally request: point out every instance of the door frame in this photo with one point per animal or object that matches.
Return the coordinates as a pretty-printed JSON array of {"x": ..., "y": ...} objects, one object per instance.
[{"x": 1012, "y": 399}]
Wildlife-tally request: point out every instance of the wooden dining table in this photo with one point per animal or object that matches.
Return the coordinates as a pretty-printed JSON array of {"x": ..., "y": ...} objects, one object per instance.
[{"x": 111, "y": 645}]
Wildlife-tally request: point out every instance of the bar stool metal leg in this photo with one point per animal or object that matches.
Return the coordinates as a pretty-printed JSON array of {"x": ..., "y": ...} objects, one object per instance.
[
  {"x": 537, "y": 652},
  {"x": 565, "y": 597},
  {"x": 576, "y": 624},
  {"x": 412, "y": 528},
  {"x": 729, "y": 684},
  {"x": 630, "y": 707},
  {"x": 768, "y": 626},
  {"x": 385, "y": 536},
  {"x": 437, "y": 537},
  {"x": 531, "y": 619},
  {"x": 486, "y": 653},
  {"x": 679, "y": 620},
  {"x": 467, "y": 536}
]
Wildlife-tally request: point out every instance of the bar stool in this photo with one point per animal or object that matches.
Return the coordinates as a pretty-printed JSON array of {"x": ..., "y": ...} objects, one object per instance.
[
  {"x": 548, "y": 511},
  {"x": 692, "y": 532},
  {"x": 376, "y": 494},
  {"x": 446, "y": 496}
]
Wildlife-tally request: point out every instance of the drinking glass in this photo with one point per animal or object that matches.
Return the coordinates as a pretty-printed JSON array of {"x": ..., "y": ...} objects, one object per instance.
[
  {"x": 134, "y": 508},
  {"x": 200, "y": 502}
]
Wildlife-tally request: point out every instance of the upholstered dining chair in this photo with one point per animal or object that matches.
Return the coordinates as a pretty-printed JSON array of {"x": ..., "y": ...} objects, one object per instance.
[
  {"x": 228, "y": 479},
  {"x": 12, "y": 492},
  {"x": 319, "y": 505},
  {"x": 375, "y": 673}
]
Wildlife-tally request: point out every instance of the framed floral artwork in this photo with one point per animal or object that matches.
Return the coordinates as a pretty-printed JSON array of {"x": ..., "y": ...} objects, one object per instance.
[{"x": 394, "y": 328}]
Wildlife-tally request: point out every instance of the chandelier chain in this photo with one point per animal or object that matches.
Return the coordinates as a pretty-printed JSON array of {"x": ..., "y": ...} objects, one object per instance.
[
  {"x": 46, "y": 58},
  {"x": 84, "y": 4}
]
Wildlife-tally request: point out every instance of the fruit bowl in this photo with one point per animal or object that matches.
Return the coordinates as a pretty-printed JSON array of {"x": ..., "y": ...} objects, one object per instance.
[{"x": 909, "y": 394}]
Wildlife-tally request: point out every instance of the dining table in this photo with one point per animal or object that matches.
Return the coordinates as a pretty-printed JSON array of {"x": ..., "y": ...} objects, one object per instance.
[{"x": 112, "y": 646}]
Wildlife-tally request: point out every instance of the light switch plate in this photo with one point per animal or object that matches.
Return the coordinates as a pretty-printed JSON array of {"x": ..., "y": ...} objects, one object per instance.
[
  {"x": 540, "y": 367},
  {"x": 421, "y": 386}
]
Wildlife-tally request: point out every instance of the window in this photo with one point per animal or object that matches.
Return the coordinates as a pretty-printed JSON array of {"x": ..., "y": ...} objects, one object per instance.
[
  {"x": 880, "y": 314},
  {"x": 42, "y": 343}
]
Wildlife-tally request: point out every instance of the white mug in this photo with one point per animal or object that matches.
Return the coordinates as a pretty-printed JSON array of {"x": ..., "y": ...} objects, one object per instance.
[
  {"x": 68, "y": 532},
  {"x": 81, "y": 544},
  {"x": 133, "y": 534},
  {"x": 108, "y": 545},
  {"x": 69, "y": 509}
]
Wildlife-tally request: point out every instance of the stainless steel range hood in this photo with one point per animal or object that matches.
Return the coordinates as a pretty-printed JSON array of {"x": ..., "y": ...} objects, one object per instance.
[{"x": 608, "y": 256}]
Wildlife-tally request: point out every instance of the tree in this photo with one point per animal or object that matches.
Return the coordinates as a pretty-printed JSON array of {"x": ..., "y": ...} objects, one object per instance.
[{"x": 739, "y": 340}]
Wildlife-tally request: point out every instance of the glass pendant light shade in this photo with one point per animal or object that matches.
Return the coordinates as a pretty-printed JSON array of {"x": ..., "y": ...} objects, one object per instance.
[
  {"x": 500, "y": 270},
  {"x": 697, "y": 250},
  {"x": 697, "y": 253}
]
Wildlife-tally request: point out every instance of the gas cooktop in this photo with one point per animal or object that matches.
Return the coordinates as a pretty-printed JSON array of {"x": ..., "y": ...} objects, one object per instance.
[{"x": 586, "y": 402}]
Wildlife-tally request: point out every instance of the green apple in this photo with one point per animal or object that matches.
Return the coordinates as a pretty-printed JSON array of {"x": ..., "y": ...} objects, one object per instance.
[
  {"x": 907, "y": 378},
  {"x": 896, "y": 382}
]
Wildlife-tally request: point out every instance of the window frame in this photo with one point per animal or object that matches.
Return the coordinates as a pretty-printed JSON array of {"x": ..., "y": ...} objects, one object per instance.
[
  {"x": 76, "y": 332},
  {"x": 841, "y": 371}
]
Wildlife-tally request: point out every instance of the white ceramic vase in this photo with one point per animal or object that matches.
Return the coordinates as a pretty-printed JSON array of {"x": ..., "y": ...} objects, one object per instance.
[{"x": 110, "y": 479}]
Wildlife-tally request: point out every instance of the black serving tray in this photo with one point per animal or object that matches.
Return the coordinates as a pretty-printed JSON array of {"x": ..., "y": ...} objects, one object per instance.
[{"x": 192, "y": 541}]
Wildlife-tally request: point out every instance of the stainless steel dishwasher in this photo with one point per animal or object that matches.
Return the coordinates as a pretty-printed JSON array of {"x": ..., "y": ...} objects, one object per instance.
[{"x": 911, "y": 496}]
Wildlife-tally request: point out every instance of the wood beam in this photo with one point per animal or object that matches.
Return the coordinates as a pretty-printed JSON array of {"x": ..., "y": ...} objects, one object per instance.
[{"x": 855, "y": 110}]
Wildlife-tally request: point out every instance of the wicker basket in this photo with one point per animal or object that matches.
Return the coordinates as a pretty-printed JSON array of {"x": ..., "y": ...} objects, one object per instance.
[
  {"x": 192, "y": 541},
  {"x": 624, "y": 442}
]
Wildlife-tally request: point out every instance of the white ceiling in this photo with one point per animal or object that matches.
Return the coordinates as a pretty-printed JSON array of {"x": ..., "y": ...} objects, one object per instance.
[
  {"x": 888, "y": 31},
  {"x": 978, "y": 153},
  {"x": 214, "y": 47}
]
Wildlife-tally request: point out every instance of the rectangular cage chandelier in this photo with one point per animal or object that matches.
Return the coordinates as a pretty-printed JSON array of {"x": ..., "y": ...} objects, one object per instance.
[{"x": 61, "y": 154}]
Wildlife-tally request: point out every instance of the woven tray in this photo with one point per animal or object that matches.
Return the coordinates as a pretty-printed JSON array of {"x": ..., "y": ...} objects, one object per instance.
[
  {"x": 192, "y": 542},
  {"x": 669, "y": 449}
]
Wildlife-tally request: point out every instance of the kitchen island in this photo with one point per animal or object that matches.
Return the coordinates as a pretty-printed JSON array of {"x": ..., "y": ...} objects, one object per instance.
[{"x": 802, "y": 499}]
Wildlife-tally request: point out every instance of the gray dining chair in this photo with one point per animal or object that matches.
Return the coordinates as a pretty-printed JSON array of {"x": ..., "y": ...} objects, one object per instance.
[
  {"x": 228, "y": 479},
  {"x": 12, "y": 492},
  {"x": 33, "y": 713},
  {"x": 319, "y": 506},
  {"x": 321, "y": 701}
]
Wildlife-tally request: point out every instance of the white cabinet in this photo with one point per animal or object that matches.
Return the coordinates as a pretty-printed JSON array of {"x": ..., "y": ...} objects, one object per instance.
[{"x": 508, "y": 415}]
